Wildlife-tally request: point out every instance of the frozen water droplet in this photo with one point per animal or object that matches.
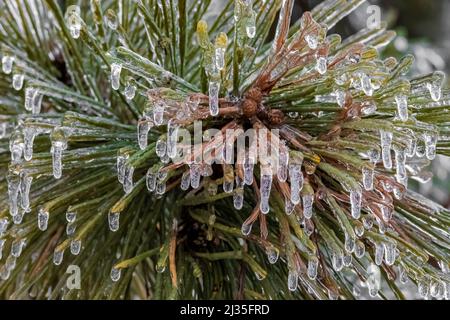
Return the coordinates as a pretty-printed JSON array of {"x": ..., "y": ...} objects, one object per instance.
[
  {"x": 238, "y": 198},
  {"x": 17, "y": 247},
  {"x": 161, "y": 148},
  {"x": 272, "y": 254},
  {"x": 158, "y": 112},
  {"x": 172, "y": 138},
  {"x": 2, "y": 244},
  {"x": 400, "y": 161},
  {"x": 423, "y": 287},
  {"x": 17, "y": 219},
  {"x": 288, "y": 207},
  {"x": 368, "y": 108},
  {"x": 367, "y": 174},
  {"x": 73, "y": 21},
  {"x": 7, "y": 64},
  {"x": 75, "y": 247},
  {"x": 195, "y": 174},
  {"x": 386, "y": 142},
  {"x": 121, "y": 164},
  {"x": 115, "y": 274},
  {"x": 379, "y": 253},
  {"x": 143, "y": 128},
  {"x": 340, "y": 97},
  {"x": 292, "y": 280},
  {"x": 13, "y": 193},
  {"x": 349, "y": 243},
  {"x": 58, "y": 256},
  {"x": 389, "y": 253},
  {"x": 313, "y": 263},
  {"x": 18, "y": 82},
  {"x": 265, "y": 188},
  {"x": 185, "y": 180},
  {"x": 250, "y": 26},
  {"x": 25, "y": 186},
  {"x": 56, "y": 151},
  {"x": 248, "y": 172},
  {"x": 214, "y": 88},
  {"x": 355, "y": 203},
  {"x": 114, "y": 221},
  {"x": 366, "y": 84},
  {"x": 402, "y": 107},
  {"x": 130, "y": 91},
  {"x": 337, "y": 261},
  {"x": 3, "y": 225},
  {"x": 43, "y": 219},
  {"x": 307, "y": 201},
  {"x": 70, "y": 229},
  {"x": 430, "y": 140},
  {"x": 220, "y": 58},
  {"x": 435, "y": 90},
  {"x": 373, "y": 280},
  {"x": 347, "y": 260}
]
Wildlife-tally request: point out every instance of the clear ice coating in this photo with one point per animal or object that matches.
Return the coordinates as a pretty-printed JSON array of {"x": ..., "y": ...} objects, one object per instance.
[
  {"x": 368, "y": 108},
  {"x": 265, "y": 188},
  {"x": 322, "y": 65},
  {"x": 42, "y": 219},
  {"x": 312, "y": 41},
  {"x": 373, "y": 281},
  {"x": 114, "y": 221},
  {"x": 25, "y": 185},
  {"x": 248, "y": 171},
  {"x": 366, "y": 84},
  {"x": 33, "y": 100},
  {"x": 120, "y": 165},
  {"x": 18, "y": 81},
  {"x": 400, "y": 163},
  {"x": 296, "y": 179},
  {"x": 355, "y": 203},
  {"x": 402, "y": 107},
  {"x": 435, "y": 87},
  {"x": 28, "y": 139},
  {"x": 214, "y": 88},
  {"x": 172, "y": 139},
  {"x": 115, "y": 274},
  {"x": 238, "y": 198},
  {"x": 386, "y": 142},
  {"x": 116, "y": 69},
  {"x": 379, "y": 253},
  {"x": 389, "y": 253},
  {"x": 367, "y": 174},
  {"x": 250, "y": 25},
  {"x": 58, "y": 256},
  {"x": 13, "y": 193},
  {"x": 75, "y": 247},
  {"x": 7, "y": 64},
  {"x": 73, "y": 21},
  {"x": 313, "y": 263},
  {"x": 340, "y": 97},
  {"x": 307, "y": 201},
  {"x": 151, "y": 180}
]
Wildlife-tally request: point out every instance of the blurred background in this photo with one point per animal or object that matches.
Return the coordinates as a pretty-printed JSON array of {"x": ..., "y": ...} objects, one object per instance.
[{"x": 423, "y": 28}]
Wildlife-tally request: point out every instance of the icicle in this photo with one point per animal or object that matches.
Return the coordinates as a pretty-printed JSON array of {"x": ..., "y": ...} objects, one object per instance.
[
  {"x": 367, "y": 174},
  {"x": 374, "y": 156},
  {"x": 292, "y": 280},
  {"x": 30, "y": 93},
  {"x": 246, "y": 229},
  {"x": 3, "y": 226},
  {"x": 115, "y": 274},
  {"x": 17, "y": 247},
  {"x": 56, "y": 151},
  {"x": 161, "y": 148},
  {"x": 386, "y": 212},
  {"x": 355, "y": 202},
  {"x": 28, "y": 140},
  {"x": 366, "y": 85},
  {"x": 373, "y": 281},
  {"x": 17, "y": 219},
  {"x": 13, "y": 193},
  {"x": 288, "y": 207},
  {"x": 3, "y": 127},
  {"x": 238, "y": 198},
  {"x": 228, "y": 185},
  {"x": 121, "y": 164},
  {"x": 160, "y": 188},
  {"x": 435, "y": 88},
  {"x": 74, "y": 21},
  {"x": 143, "y": 128},
  {"x": 18, "y": 82},
  {"x": 322, "y": 65},
  {"x": 58, "y": 256},
  {"x": 379, "y": 253},
  {"x": 172, "y": 138},
  {"x": 423, "y": 287},
  {"x": 70, "y": 229},
  {"x": 347, "y": 260},
  {"x": 75, "y": 247},
  {"x": 400, "y": 162},
  {"x": 214, "y": 88},
  {"x": 116, "y": 70},
  {"x": 360, "y": 249},
  {"x": 386, "y": 142},
  {"x": 283, "y": 160},
  {"x": 272, "y": 254},
  {"x": 307, "y": 201},
  {"x": 296, "y": 179},
  {"x": 250, "y": 26},
  {"x": 43, "y": 219},
  {"x": 349, "y": 244},
  {"x": 248, "y": 171},
  {"x": 130, "y": 91},
  {"x": 313, "y": 263},
  {"x": 158, "y": 112},
  {"x": 128, "y": 179},
  {"x": 114, "y": 221},
  {"x": 220, "y": 47},
  {"x": 389, "y": 253},
  {"x": 185, "y": 180},
  {"x": 195, "y": 175},
  {"x": 402, "y": 107},
  {"x": 265, "y": 187},
  {"x": 7, "y": 64},
  {"x": 337, "y": 261},
  {"x": 430, "y": 140},
  {"x": 25, "y": 185},
  {"x": 151, "y": 180}
]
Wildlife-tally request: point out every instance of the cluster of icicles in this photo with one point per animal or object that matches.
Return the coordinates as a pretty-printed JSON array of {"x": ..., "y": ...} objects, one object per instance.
[{"x": 290, "y": 168}]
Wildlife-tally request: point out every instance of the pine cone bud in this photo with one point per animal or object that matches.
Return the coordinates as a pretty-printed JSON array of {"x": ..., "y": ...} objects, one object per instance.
[
  {"x": 249, "y": 108},
  {"x": 254, "y": 94},
  {"x": 276, "y": 117}
]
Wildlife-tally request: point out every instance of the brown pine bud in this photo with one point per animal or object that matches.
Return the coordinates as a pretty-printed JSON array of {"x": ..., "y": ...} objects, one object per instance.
[
  {"x": 254, "y": 94},
  {"x": 276, "y": 117},
  {"x": 249, "y": 108}
]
